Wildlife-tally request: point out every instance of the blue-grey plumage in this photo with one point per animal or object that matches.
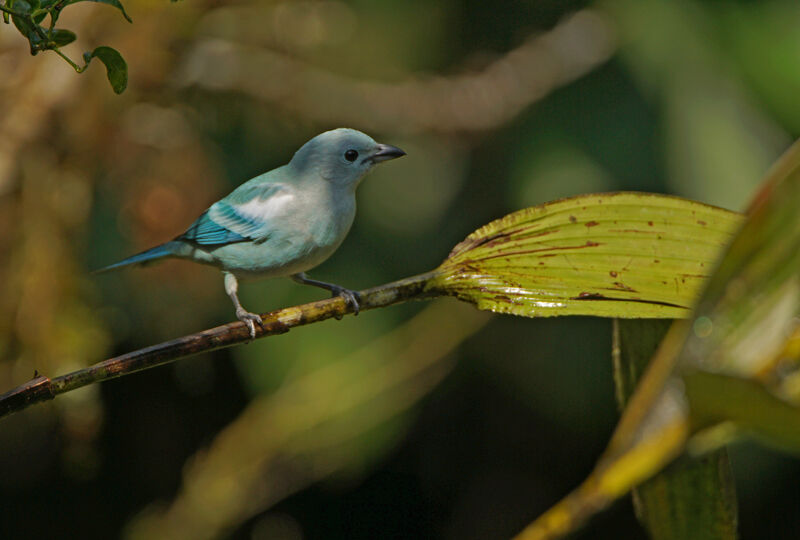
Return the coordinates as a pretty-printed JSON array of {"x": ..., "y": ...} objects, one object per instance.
[{"x": 283, "y": 222}]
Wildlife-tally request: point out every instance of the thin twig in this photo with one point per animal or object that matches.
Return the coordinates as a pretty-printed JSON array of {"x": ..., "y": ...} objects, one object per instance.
[
  {"x": 276, "y": 322},
  {"x": 75, "y": 66}
]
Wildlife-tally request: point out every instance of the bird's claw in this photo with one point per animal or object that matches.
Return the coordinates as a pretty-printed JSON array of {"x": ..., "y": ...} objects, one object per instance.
[
  {"x": 351, "y": 298},
  {"x": 250, "y": 319}
]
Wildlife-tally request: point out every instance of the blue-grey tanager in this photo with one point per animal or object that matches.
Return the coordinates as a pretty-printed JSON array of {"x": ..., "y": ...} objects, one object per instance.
[{"x": 283, "y": 222}]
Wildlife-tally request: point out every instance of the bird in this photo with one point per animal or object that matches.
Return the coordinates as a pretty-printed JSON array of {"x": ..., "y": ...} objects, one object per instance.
[{"x": 283, "y": 222}]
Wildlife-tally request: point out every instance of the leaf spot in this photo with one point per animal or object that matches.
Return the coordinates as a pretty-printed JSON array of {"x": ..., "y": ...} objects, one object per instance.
[{"x": 622, "y": 286}]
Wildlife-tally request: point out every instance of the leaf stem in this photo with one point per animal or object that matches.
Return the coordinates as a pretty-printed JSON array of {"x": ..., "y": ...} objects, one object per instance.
[
  {"x": 48, "y": 44},
  {"x": 75, "y": 66}
]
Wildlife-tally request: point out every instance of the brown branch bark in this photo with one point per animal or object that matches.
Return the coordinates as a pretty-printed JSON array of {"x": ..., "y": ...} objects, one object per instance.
[{"x": 276, "y": 322}]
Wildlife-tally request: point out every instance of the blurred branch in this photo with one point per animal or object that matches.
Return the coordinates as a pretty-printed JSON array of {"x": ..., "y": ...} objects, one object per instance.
[
  {"x": 310, "y": 427},
  {"x": 463, "y": 103},
  {"x": 276, "y": 322}
]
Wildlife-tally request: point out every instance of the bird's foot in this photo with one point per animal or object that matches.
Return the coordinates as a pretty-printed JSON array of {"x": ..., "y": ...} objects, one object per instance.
[
  {"x": 351, "y": 298},
  {"x": 249, "y": 319}
]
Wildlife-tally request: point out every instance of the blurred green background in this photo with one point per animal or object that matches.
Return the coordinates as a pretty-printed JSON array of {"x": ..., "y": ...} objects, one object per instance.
[{"x": 416, "y": 421}]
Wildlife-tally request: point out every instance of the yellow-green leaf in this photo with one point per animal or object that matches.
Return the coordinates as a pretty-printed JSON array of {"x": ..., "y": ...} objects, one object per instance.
[
  {"x": 694, "y": 497},
  {"x": 732, "y": 368},
  {"x": 630, "y": 255},
  {"x": 747, "y": 324}
]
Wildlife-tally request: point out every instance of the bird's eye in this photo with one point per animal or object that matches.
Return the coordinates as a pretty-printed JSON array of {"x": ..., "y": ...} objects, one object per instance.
[{"x": 350, "y": 155}]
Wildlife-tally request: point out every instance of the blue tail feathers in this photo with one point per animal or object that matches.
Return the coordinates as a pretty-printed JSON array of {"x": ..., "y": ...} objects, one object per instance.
[{"x": 153, "y": 254}]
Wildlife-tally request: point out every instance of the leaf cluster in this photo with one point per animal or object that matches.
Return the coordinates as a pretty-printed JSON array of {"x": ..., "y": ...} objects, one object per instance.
[{"x": 37, "y": 19}]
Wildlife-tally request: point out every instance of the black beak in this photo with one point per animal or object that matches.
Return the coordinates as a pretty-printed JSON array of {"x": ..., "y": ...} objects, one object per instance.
[{"x": 386, "y": 152}]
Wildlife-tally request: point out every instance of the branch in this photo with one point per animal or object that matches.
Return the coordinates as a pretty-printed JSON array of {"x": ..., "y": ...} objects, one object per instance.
[
  {"x": 463, "y": 103},
  {"x": 275, "y": 322},
  {"x": 303, "y": 431}
]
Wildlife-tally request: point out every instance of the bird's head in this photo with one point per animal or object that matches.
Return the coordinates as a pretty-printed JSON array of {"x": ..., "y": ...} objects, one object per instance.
[{"x": 343, "y": 156}]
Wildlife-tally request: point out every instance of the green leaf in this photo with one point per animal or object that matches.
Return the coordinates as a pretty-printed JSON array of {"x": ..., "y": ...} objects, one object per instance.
[
  {"x": 693, "y": 498},
  {"x": 25, "y": 27},
  {"x": 115, "y": 3},
  {"x": 62, "y": 37},
  {"x": 747, "y": 325},
  {"x": 22, "y": 6},
  {"x": 725, "y": 407},
  {"x": 115, "y": 66},
  {"x": 627, "y": 255}
]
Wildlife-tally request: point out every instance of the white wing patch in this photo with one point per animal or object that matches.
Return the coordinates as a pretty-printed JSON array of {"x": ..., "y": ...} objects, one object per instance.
[{"x": 275, "y": 206}]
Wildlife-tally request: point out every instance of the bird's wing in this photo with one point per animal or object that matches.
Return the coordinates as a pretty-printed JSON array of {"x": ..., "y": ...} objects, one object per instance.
[{"x": 226, "y": 222}]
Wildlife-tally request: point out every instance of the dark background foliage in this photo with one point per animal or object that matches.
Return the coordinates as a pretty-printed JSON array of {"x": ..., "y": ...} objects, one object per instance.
[{"x": 697, "y": 99}]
